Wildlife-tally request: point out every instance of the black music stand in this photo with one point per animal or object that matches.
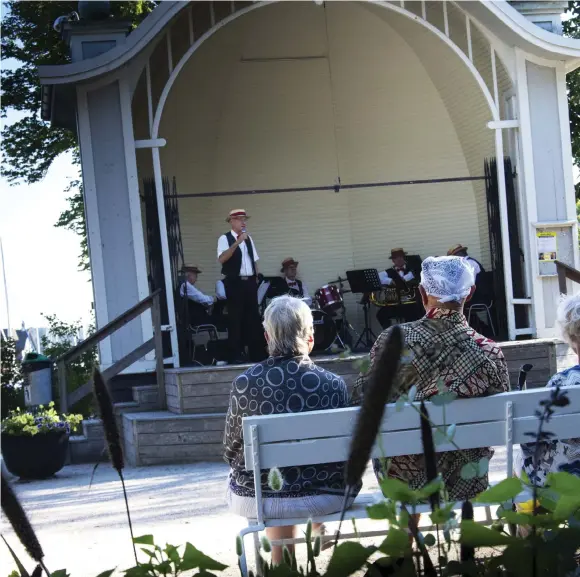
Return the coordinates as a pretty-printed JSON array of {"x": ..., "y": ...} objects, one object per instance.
[{"x": 365, "y": 281}]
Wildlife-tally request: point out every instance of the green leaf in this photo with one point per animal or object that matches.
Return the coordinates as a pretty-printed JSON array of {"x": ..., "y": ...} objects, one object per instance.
[
  {"x": 443, "y": 398},
  {"x": 137, "y": 571},
  {"x": 396, "y": 544},
  {"x": 193, "y": 558},
  {"x": 439, "y": 437},
  {"x": 347, "y": 558},
  {"x": 441, "y": 385},
  {"x": 103, "y": 574},
  {"x": 429, "y": 540},
  {"x": 398, "y": 491},
  {"x": 482, "y": 467},
  {"x": 412, "y": 393},
  {"x": 63, "y": 573},
  {"x": 400, "y": 404},
  {"x": 430, "y": 488},
  {"x": 565, "y": 506},
  {"x": 504, "y": 491},
  {"x": 469, "y": 471},
  {"x": 144, "y": 540},
  {"x": 476, "y": 535},
  {"x": 443, "y": 514},
  {"x": 564, "y": 483},
  {"x": 23, "y": 571},
  {"x": 451, "y": 432},
  {"x": 380, "y": 511}
]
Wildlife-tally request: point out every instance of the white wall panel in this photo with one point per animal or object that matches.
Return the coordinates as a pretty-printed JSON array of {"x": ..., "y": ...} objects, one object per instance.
[{"x": 261, "y": 105}]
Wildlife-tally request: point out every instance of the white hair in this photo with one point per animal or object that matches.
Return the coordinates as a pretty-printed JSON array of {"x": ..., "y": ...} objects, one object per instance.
[
  {"x": 568, "y": 318},
  {"x": 289, "y": 326}
]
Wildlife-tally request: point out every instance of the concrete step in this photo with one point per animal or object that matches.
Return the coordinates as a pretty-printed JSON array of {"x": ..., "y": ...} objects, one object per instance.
[
  {"x": 89, "y": 447},
  {"x": 163, "y": 437}
]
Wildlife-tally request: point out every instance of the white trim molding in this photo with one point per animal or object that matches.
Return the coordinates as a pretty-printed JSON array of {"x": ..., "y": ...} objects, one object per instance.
[{"x": 523, "y": 33}]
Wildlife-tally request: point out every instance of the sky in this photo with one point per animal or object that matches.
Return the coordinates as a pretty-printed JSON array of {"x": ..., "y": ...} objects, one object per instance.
[{"x": 41, "y": 261}]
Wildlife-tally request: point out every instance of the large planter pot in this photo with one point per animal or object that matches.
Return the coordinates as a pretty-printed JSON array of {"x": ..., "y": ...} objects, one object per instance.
[{"x": 37, "y": 457}]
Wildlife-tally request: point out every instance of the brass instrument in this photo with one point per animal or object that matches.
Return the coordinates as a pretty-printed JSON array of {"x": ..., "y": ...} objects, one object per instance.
[{"x": 390, "y": 296}]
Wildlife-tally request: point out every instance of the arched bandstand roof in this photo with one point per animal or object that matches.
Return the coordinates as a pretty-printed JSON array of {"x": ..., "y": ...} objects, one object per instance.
[{"x": 505, "y": 21}]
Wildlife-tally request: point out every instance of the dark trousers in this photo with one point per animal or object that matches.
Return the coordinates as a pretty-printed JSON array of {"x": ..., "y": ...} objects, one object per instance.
[{"x": 244, "y": 321}]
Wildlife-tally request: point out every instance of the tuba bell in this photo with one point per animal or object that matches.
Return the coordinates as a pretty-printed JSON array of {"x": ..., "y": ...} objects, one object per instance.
[{"x": 385, "y": 297}]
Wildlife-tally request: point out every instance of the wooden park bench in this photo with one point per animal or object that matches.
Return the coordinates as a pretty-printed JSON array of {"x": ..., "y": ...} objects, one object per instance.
[{"x": 317, "y": 437}]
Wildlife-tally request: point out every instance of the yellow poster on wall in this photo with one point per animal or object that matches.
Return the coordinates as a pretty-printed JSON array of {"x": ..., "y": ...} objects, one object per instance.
[{"x": 547, "y": 246}]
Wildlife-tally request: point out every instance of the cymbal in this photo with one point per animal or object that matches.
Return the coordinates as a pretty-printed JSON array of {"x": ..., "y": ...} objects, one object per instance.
[{"x": 339, "y": 281}]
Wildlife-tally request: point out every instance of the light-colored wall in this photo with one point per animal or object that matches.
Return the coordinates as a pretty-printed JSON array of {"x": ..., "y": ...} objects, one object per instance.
[{"x": 260, "y": 105}]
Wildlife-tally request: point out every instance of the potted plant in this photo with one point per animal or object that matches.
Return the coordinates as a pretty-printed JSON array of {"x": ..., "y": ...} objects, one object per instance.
[{"x": 35, "y": 442}]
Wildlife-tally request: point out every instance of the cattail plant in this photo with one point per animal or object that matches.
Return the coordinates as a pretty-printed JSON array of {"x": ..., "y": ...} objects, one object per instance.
[
  {"x": 369, "y": 419},
  {"x": 20, "y": 523},
  {"x": 467, "y": 553},
  {"x": 113, "y": 439},
  {"x": 375, "y": 397}
]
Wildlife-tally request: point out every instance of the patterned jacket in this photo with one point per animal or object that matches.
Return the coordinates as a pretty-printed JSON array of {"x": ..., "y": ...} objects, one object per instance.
[
  {"x": 275, "y": 386},
  {"x": 442, "y": 349},
  {"x": 554, "y": 456}
]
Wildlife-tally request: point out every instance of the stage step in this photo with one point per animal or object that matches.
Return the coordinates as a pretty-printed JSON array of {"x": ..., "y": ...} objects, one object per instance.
[
  {"x": 162, "y": 437},
  {"x": 197, "y": 390}
]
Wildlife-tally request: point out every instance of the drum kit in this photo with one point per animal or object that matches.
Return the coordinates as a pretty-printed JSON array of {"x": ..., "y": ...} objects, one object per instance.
[{"x": 331, "y": 326}]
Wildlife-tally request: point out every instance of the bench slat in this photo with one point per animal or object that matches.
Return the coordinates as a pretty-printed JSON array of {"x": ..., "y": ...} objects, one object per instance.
[
  {"x": 467, "y": 436},
  {"x": 338, "y": 422}
]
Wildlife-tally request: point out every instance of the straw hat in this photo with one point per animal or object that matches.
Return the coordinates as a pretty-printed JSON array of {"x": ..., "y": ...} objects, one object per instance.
[
  {"x": 289, "y": 261},
  {"x": 191, "y": 268},
  {"x": 455, "y": 249},
  {"x": 236, "y": 213},
  {"x": 398, "y": 252}
]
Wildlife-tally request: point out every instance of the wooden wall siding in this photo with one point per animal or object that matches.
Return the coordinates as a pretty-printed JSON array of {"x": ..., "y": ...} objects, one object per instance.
[
  {"x": 198, "y": 391},
  {"x": 162, "y": 438},
  {"x": 278, "y": 123}
]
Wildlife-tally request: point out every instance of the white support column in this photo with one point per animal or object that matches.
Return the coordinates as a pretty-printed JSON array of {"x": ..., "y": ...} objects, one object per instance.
[
  {"x": 165, "y": 254},
  {"x": 505, "y": 239}
]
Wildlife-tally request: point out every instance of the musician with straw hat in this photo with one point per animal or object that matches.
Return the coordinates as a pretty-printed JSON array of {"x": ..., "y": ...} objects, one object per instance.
[
  {"x": 460, "y": 250},
  {"x": 238, "y": 256}
]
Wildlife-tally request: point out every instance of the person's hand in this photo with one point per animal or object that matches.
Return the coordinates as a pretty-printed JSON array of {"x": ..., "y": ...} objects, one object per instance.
[{"x": 242, "y": 237}]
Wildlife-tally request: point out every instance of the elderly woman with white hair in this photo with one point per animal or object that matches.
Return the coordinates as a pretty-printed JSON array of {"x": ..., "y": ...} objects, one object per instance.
[
  {"x": 563, "y": 455},
  {"x": 444, "y": 353},
  {"x": 287, "y": 382}
]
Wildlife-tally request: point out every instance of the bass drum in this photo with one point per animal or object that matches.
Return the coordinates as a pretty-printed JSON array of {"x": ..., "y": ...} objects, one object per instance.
[{"x": 324, "y": 330}]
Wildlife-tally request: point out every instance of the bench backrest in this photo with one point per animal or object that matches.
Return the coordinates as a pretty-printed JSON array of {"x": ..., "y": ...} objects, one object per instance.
[{"x": 324, "y": 436}]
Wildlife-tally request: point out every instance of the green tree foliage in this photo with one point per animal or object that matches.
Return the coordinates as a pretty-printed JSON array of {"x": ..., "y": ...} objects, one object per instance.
[
  {"x": 10, "y": 377},
  {"x": 29, "y": 144},
  {"x": 60, "y": 338},
  {"x": 571, "y": 28}
]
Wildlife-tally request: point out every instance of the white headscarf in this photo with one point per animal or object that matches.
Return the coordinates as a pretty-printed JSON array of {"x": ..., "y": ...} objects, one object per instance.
[{"x": 447, "y": 278}]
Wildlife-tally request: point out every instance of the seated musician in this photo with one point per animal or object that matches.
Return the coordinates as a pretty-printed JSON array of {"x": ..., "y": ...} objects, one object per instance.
[
  {"x": 404, "y": 280},
  {"x": 460, "y": 250},
  {"x": 200, "y": 305},
  {"x": 295, "y": 286}
]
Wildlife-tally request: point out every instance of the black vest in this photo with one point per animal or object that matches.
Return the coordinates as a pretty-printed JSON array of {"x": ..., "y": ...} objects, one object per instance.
[
  {"x": 232, "y": 267},
  {"x": 295, "y": 291}
]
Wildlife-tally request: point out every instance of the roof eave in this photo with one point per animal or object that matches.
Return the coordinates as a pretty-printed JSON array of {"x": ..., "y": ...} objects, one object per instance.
[{"x": 504, "y": 20}]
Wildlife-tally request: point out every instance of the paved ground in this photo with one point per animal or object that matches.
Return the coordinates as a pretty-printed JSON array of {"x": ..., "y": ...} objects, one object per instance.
[{"x": 84, "y": 530}]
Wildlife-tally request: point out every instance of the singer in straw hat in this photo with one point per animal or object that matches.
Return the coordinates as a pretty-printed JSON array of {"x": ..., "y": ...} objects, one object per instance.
[{"x": 238, "y": 256}]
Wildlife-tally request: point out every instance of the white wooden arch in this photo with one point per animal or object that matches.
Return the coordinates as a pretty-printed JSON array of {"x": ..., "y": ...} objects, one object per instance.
[
  {"x": 492, "y": 101},
  {"x": 467, "y": 59}
]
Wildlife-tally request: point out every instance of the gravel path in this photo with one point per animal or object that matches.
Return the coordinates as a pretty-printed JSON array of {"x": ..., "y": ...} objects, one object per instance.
[{"x": 84, "y": 529}]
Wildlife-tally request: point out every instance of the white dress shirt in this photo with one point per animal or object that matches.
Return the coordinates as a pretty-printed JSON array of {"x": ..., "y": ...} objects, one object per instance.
[
  {"x": 474, "y": 264},
  {"x": 195, "y": 294},
  {"x": 388, "y": 281},
  {"x": 220, "y": 290},
  {"x": 246, "y": 269},
  {"x": 306, "y": 296}
]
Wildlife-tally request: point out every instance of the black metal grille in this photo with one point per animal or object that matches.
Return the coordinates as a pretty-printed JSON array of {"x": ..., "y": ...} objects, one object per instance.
[
  {"x": 155, "y": 256},
  {"x": 496, "y": 249}
]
